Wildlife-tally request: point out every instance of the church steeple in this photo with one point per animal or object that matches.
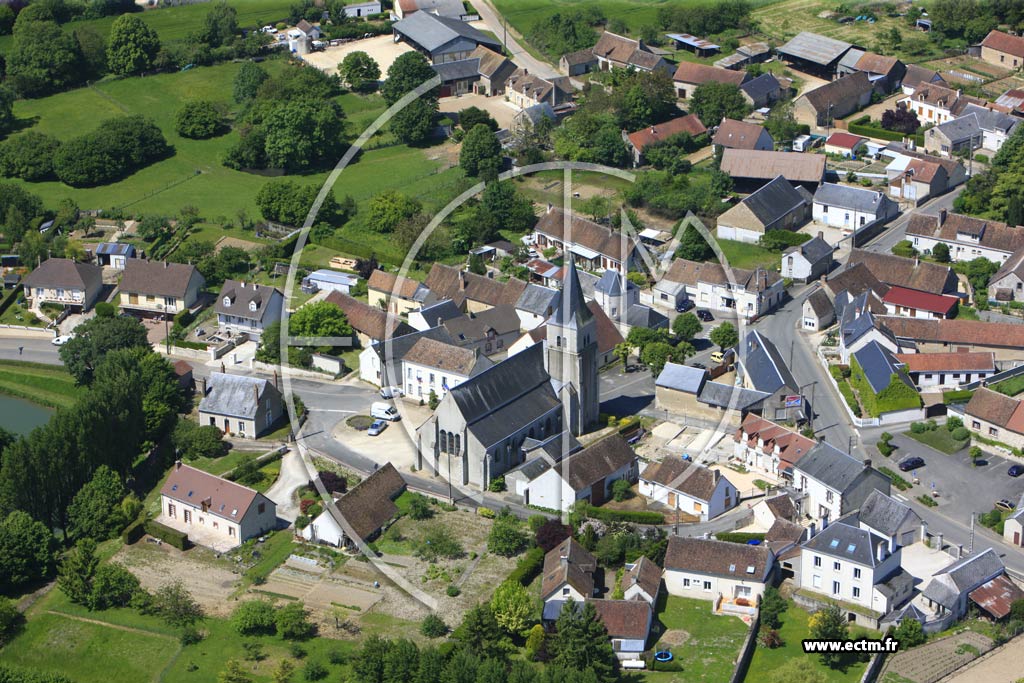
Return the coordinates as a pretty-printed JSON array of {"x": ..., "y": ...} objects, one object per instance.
[
  {"x": 572, "y": 311},
  {"x": 571, "y": 353}
]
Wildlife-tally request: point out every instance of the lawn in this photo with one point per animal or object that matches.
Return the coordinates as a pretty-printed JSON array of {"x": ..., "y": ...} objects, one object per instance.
[
  {"x": 48, "y": 385},
  {"x": 1011, "y": 386},
  {"x": 19, "y": 315},
  {"x": 223, "y": 464},
  {"x": 749, "y": 256},
  {"x": 712, "y": 646},
  {"x": 940, "y": 438},
  {"x": 794, "y": 630}
]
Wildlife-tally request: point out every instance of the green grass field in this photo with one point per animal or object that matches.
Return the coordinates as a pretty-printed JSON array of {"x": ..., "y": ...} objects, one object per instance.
[
  {"x": 749, "y": 256},
  {"x": 174, "y": 23},
  {"x": 713, "y": 645},
  {"x": 1010, "y": 387},
  {"x": 48, "y": 385},
  {"x": 941, "y": 439}
]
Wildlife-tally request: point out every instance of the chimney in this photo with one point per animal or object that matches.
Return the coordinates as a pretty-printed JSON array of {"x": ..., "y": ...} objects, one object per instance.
[
  {"x": 165, "y": 264},
  {"x": 821, "y": 234},
  {"x": 811, "y": 530},
  {"x": 880, "y": 551},
  {"x": 462, "y": 280},
  {"x": 717, "y": 475},
  {"x": 867, "y": 463},
  {"x": 242, "y": 284},
  {"x": 256, "y": 393},
  {"x": 177, "y": 464},
  {"x": 222, "y": 368},
  {"x": 938, "y": 541},
  {"x": 942, "y": 216},
  {"x": 203, "y": 386},
  {"x": 959, "y": 550}
]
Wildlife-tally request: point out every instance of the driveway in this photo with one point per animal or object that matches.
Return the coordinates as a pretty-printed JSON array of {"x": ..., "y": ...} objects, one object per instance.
[
  {"x": 516, "y": 52},
  {"x": 292, "y": 477},
  {"x": 502, "y": 111},
  {"x": 383, "y": 49}
]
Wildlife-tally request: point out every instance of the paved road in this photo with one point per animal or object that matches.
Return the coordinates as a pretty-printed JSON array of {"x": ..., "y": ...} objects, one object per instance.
[
  {"x": 897, "y": 230},
  {"x": 516, "y": 52},
  {"x": 33, "y": 350}
]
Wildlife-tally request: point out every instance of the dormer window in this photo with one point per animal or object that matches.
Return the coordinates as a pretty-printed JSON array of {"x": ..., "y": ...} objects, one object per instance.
[
  {"x": 252, "y": 306},
  {"x": 227, "y": 301}
]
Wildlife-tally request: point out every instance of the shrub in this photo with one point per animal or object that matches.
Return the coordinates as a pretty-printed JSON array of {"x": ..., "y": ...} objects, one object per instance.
[
  {"x": 621, "y": 490},
  {"x": 897, "y": 481},
  {"x": 433, "y": 626},
  {"x": 486, "y": 513},
  {"x": 961, "y": 434},
  {"x": 770, "y": 639},
  {"x": 178, "y": 539},
  {"x": 314, "y": 670},
  {"x": 117, "y": 148},
  {"x": 918, "y": 427},
  {"x": 254, "y": 618},
  {"x": 453, "y": 591},
  {"x": 334, "y": 483},
  {"x": 927, "y": 501},
  {"x": 133, "y": 532},
  {"x": 198, "y": 120},
  {"x": 293, "y": 622},
  {"x": 885, "y": 448},
  {"x": 28, "y": 156},
  {"x": 953, "y": 423}
]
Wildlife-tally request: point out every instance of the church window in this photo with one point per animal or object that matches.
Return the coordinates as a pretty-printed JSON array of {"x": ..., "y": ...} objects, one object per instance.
[
  {"x": 558, "y": 340},
  {"x": 456, "y": 447},
  {"x": 443, "y": 441}
]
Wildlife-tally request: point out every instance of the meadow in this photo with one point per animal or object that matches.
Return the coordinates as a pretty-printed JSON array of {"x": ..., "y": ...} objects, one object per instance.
[{"x": 48, "y": 385}]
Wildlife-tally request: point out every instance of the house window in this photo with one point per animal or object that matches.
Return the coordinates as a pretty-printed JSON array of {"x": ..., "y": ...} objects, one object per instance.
[
  {"x": 231, "y": 531},
  {"x": 261, "y": 508},
  {"x": 835, "y": 588},
  {"x": 817, "y": 561},
  {"x": 856, "y": 572},
  {"x": 975, "y": 424},
  {"x": 836, "y": 566},
  {"x": 992, "y": 431},
  {"x": 816, "y": 581},
  {"x": 856, "y": 592},
  {"x": 686, "y": 583},
  {"x": 707, "y": 585},
  {"x": 565, "y": 591},
  {"x": 828, "y": 496},
  {"x": 171, "y": 511}
]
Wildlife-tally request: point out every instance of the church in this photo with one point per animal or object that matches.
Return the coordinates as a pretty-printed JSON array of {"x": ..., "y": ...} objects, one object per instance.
[{"x": 481, "y": 427}]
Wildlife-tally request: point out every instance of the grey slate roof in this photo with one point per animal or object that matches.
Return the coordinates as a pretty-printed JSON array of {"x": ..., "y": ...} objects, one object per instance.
[
  {"x": 611, "y": 283},
  {"x": 815, "y": 48},
  {"x": 814, "y": 250},
  {"x": 639, "y": 315},
  {"x": 963, "y": 576},
  {"x": 989, "y": 119},
  {"x": 820, "y": 303},
  {"x": 234, "y": 395},
  {"x": 774, "y": 200},
  {"x": 681, "y": 378},
  {"x": 571, "y": 309},
  {"x": 847, "y": 542},
  {"x": 725, "y": 395},
  {"x": 444, "y": 309},
  {"x": 539, "y": 112},
  {"x": 883, "y": 513},
  {"x": 431, "y": 32},
  {"x": 240, "y": 295},
  {"x": 537, "y": 299},
  {"x": 501, "y": 399},
  {"x": 62, "y": 272},
  {"x": 879, "y": 365},
  {"x": 764, "y": 86},
  {"x": 764, "y": 366},
  {"x": 397, "y": 347},
  {"x": 458, "y": 70},
  {"x": 831, "y": 466},
  {"x": 853, "y": 198}
]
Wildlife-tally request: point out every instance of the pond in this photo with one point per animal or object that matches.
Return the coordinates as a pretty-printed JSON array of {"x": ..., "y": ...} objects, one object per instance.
[{"x": 20, "y": 416}]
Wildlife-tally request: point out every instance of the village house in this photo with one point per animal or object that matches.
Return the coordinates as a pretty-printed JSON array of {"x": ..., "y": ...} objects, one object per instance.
[
  {"x": 752, "y": 169},
  {"x": 442, "y": 39},
  {"x": 470, "y": 292},
  {"x": 808, "y": 261},
  {"x": 915, "y": 304},
  {"x": 918, "y": 75},
  {"x": 362, "y": 9},
  {"x": 966, "y": 237},
  {"x": 833, "y": 483},
  {"x": 369, "y": 323},
  {"x": 749, "y": 293},
  {"x": 851, "y": 208},
  {"x": 239, "y": 405},
  {"x": 608, "y": 337},
  {"x": 717, "y": 570},
  {"x": 766, "y": 447},
  {"x": 816, "y": 54},
  {"x": 431, "y": 368},
  {"x": 762, "y": 368},
  {"x": 247, "y": 308},
  {"x": 587, "y": 475},
  {"x": 885, "y": 73},
  {"x": 733, "y": 134},
  {"x": 326, "y": 280},
  {"x": 975, "y": 128},
  {"x": 615, "y": 51},
  {"x": 688, "y": 488},
  {"x": 620, "y": 300},
  {"x": 745, "y": 55},
  {"x": 641, "y": 139},
  {"x": 776, "y": 508},
  {"x": 214, "y": 512},
  {"x": 483, "y": 72},
  {"x": 690, "y": 75},
  {"x": 686, "y": 390},
  {"x": 880, "y": 369},
  {"x": 380, "y": 363},
  {"x": 642, "y": 581},
  {"x": 916, "y": 180},
  {"x": 63, "y": 282},
  {"x": 364, "y": 511},
  {"x": 1002, "y": 49},
  {"x": 452, "y": 9},
  {"x": 858, "y": 326},
  {"x": 937, "y": 104},
  {"x": 764, "y": 90},
  {"x": 891, "y": 519},
  {"x": 1007, "y": 284},
  {"x": 698, "y": 46},
  {"x": 818, "y": 311},
  {"x": 628, "y": 623},
  {"x": 114, "y": 254},
  {"x": 775, "y": 206},
  {"x": 845, "y": 144},
  {"x": 1013, "y": 526},
  {"x": 158, "y": 288},
  {"x": 590, "y": 245},
  {"x": 834, "y": 100},
  {"x": 578, "y": 63},
  {"x": 568, "y": 573},
  {"x": 947, "y": 595},
  {"x": 535, "y": 305},
  {"x": 525, "y": 90},
  {"x": 898, "y": 271},
  {"x": 947, "y": 370},
  {"x": 395, "y": 293},
  {"x": 1006, "y": 340},
  {"x": 996, "y": 416},
  {"x": 488, "y": 332}
]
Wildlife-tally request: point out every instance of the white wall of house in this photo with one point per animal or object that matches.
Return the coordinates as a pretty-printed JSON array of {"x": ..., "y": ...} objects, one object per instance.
[
  {"x": 822, "y": 501},
  {"x": 564, "y": 592},
  {"x": 840, "y": 217},
  {"x": 989, "y": 430},
  {"x": 946, "y": 380},
  {"x": 421, "y": 379},
  {"x": 844, "y": 579},
  {"x": 708, "y": 587},
  {"x": 724, "y": 498},
  {"x": 260, "y": 517},
  {"x": 1013, "y": 532},
  {"x": 927, "y": 113},
  {"x": 755, "y": 458},
  {"x": 960, "y": 250},
  {"x": 796, "y": 266},
  {"x": 909, "y": 312},
  {"x": 730, "y": 232}
]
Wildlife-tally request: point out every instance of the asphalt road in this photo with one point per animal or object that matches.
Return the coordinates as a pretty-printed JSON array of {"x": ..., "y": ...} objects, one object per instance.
[
  {"x": 516, "y": 52},
  {"x": 31, "y": 350},
  {"x": 897, "y": 230}
]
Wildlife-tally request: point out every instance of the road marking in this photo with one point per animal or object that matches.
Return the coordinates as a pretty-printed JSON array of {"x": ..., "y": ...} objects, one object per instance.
[
  {"x": 900, "y": 497},
  {"x": 329, "y": 410}
]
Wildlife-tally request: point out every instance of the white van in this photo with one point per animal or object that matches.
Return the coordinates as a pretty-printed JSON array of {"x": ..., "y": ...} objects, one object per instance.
[{"x": 384, "y": 411}]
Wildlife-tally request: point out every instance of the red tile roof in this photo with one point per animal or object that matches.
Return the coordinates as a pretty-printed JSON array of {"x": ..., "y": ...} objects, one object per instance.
[
  {"x": 948, "y": 362},
  {"x": 792, "y": 445},
  {"x": 922, "y": 301},
  {"x": 222, "y": 498},
  {"x": 993, "y": 407},
  {"x": 966, "y": 332},
  {"x": 692, "y": 72},
  {"x": 735, "y": 134},
  {"x": 844, "y": 140},
  {"x": 1004, "y": 42},
  {"x": 628, "y": 619},
  {"x": 662, "y": 131}
]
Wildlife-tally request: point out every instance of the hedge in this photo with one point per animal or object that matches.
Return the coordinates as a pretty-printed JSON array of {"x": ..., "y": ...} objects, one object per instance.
[
  {"x": 957, "y": 396},
  {"x": 134, "y": 531},
  {"x": 897, "y": 481},
  {"x": 528, "y": 567},
  {"x": 634, "y": 516},
  {"x": 739, "y": 536},
  {"x": 861, "y": 126},
  {"x": 9, "y": 299},
  {"x": 198, "y": 346},
  {"x": 178, "y": 539}
]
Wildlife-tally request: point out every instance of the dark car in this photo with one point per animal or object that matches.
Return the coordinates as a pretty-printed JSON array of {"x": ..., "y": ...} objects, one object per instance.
[
  {"x": 1015, "y": 470},
  {"x": 911, "y": 463},
  {"x": 698, "y": 365},
  {"x": 685, "y": 305},
  {"x": 705, "y": 315}
]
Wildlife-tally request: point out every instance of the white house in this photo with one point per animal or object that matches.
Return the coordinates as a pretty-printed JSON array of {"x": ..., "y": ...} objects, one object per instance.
[
  {"x": 591, "y": 246},
  {"x": 362, "y": 9},
  {"x": 966, "y": 237},
  {"x": 568, "y": 573},
  {"x": 114, "y": 254},
  {"x": 949, "y": 370},
  {"x": 247, "y": 308},
  {"x": 896, "y": 522},
  {"x": 367, "y": 508},
  {"x": 846, "y": 563},
  {"x": 948, "y": 591},
  {"x": 769, "y": 510},
  {"x": 767, "y": 447},
  {"x": 432, "y": 366},
  {"x": 709, "y": 570},
  {"x": 818, "y": 312},
  {"x": 628, "y": 623},
  {"x": 157, "y": 288},
  {"x": 807, "y": 261},
  {"x": 689, "y": 488},
  {"x": 833, "y": 483},
  {"x": 850, "y": 208},
  {"x": 214, "y": 512},
  {"x": 642, "y": 580},
  {"x": 65, "y": 282},
  {"x": 750, "y": 293},
  {"x": 325, "y": 280}
]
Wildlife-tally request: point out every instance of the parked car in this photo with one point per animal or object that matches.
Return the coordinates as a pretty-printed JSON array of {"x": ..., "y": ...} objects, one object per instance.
[
  {"x": 717, "y": 356},
  {"x": 685, "y": 305},
  {"x": 698, "y": 365},
  {"x": 383, "y": 411},
  {"x": 63, "y": 339},
  {"x": 390, "y": 392},
  {"x": 705, "y": 315},
  {"x": 911, "y": 463},
  {"x": 269, "y": 29},
  {"x": 377, "y": 427},
  {"x": 1015, "y": 470},
  {"x": 1004, "y": 505}
]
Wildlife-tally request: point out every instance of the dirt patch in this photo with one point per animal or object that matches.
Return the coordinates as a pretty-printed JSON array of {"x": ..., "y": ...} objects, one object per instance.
[
  {"x": 244, "y": 245},
  {"x": 383, "y": 49},
  {"x": 209, "y": 579},
  {"x": 674, "y": 637}
]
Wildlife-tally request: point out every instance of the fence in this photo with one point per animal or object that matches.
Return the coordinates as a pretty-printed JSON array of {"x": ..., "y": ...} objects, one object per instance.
[
  {"x": 746, "y": 652},
  {"x": 874, "y": 668}
]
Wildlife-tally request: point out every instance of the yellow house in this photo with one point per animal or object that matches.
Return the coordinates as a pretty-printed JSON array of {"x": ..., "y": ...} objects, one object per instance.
[
  {"x": 394, "y": 293},
  {"x": 152, "y": 288}
]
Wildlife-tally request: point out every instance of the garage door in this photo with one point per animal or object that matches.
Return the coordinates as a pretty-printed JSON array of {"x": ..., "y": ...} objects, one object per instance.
[{"x": 446, "y": 91}]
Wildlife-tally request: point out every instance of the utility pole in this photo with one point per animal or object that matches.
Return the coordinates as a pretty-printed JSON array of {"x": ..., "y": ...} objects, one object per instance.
[{"x": 970, "y": 551}]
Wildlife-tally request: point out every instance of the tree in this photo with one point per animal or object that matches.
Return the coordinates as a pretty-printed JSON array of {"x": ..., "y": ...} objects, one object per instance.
[
  {"x": 686, "y": 326},
  {"x": 321, "y": 319},
  {"x": 117, "y": 147},
  {"x": 979, "y": 272},
  {"x": 303, "y": 133},
  {"x": 95, "y": 511},
  {"x": 401, "y": 661},
  {"x": 221, "y": 24},
  {"x": 781, "y": 124},
  {"x": 433, "y": 626},
  {"x": 199, "y": 119},
  {"x": 289, "y": 202},
  {"x": 503, "y": 207},
  {"x": 470, "y": 117},
  {"x": 655, "y": 355},
  {"x": 725, "y": 336},
  {"x": 909, "y": 633},
  {"x": 414, "y": 124},
  {"x": 406, "y": 73},
  {"x": 941, "y": 252},
  {"x": 77, "y": 570},
  {"x": 368, "y": 664},
  {"x": 233, "y": 673},
  {"x": 693, "y": 246},
  {"x": 254, "y": 618},
  {"x": 622, "y": 351},
  {"x": 714, "y": 101},
  {"x": 283, "y": 671},
  {"x": 551, "y": 533},
  {"x": 481, "y": 633},
  {"x": 28, "y": 156},
  {"x": 248, "y": 81},
  {"x": 37, "y": 66},
  {"x": 132, "y": 46},
  {"x": 513, "y": 607},
  {"x": 507, "y": 537},
  {"x": 176, "y": 606},
  {"x": 359, "y": 71},
  {"x": 900, "y": 119},
  {"x": 27, "y": 552},
  {"x": 479, "y": 146},
  {"x": 389, "y": 208},
  {"x": 293, "y": 622},
  {"x": 112, "y": 586},
  {"x": 95, "y": 338},
  {"x": 535, "y": 642},
  {"x": 192, "y": 441},
  {"x": 593, "y": 138},
  {"x": 772, "y": 607},
  {"x": 11, "y": 621},
  {"x": 829, "y": 624},
  {"x": 581, "y": 642}
]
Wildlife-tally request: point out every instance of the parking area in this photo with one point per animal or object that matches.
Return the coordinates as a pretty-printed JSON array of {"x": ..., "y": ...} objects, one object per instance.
[
  {"x": 383, "y": 49},
  {"x": 502, "y": 111}
]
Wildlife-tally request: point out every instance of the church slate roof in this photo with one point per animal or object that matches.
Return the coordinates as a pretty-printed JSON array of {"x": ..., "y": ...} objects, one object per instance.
[{"x": 571, "y": 308}]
